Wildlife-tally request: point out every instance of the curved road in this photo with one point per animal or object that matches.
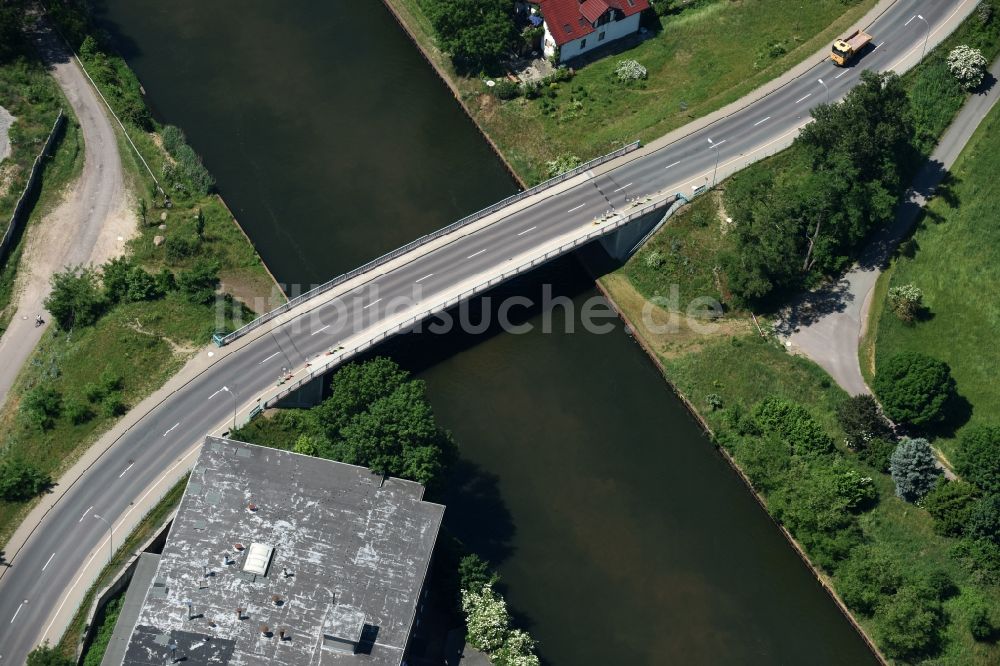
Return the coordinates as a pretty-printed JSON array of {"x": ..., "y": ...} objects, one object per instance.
[{"x": 46, "y": 578}]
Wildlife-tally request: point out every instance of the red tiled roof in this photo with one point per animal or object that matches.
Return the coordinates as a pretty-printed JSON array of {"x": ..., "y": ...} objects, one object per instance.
[{"x": 572, "y": 19}]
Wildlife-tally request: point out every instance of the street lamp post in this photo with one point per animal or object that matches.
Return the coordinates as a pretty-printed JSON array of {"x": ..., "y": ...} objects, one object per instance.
[
  {"x": 715, "y": 172},
  {"x": 927, "y": 33},
  {"x": 233, "y": 394},
  {"x": 827, "y": 90},
  {"x": 111, "y": 536}
]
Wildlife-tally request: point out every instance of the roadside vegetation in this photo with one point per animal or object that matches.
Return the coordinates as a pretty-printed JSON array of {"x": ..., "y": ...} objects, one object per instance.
[
  {"x": 697, "y": 57},
  {"x": 121, "y": 330},
  {"x": 913, "y": 556}
]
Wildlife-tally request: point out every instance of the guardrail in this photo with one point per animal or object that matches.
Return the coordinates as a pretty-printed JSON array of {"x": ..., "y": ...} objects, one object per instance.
[
  {"x": 451, "y": 302},
  {"x": 222, "y": 340},
  {"x": 21, "y": 212}
]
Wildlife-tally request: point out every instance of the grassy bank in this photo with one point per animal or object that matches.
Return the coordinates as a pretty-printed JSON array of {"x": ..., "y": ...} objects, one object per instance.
[
  {"x": 955, "y": 265},
  {"x": 698, "y": 60}
]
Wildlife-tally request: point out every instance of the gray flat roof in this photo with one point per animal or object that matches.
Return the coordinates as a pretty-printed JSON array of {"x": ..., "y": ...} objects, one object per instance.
[{"x": 336, "y": 544}]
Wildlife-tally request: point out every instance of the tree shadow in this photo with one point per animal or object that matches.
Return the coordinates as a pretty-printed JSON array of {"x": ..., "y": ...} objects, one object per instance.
[
  {"x": 477, "y": 514},
  {"x": 812, "y": 306},
  {"x": 957, "y": 412}
]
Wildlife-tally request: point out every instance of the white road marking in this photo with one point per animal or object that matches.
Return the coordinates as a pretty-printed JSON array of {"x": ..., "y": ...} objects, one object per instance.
[
  {"x": 371, "y": 304},
  {"x": 475, "y": 254},
  {"x": 320, "y": 330},
  {"x": 16, "y": 612},
  {"x": 424, "y": 277},
  {"x": 841, "y": 74},
  {"x": 527, "y": 230},
  {"x": 84, "y": 514},
  {"x": 909, "y": 19},
  {"x": 48, "y": 561},
  {"x": 621, "y": 188},
  {"x": 125, "y": 470},
  {"x": 762, "y": 120},
  {"x": 269, "y": 358},
  {"x": 576, "y": 208},
  {"x": 672, "y": 165},
  {"x": 808, "y": 95},
  {"x": 171, "y": 428},
  {"x": 876, "y": 48}
]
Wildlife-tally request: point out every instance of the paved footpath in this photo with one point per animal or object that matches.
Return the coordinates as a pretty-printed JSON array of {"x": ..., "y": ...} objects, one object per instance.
[
  {"x": 90, "y": 225},
  {"x": 827, "y": 325}
]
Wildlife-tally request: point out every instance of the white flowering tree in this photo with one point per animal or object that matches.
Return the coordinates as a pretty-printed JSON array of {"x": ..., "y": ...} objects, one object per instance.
[
  {"x": 486, "y": 618},
  {"x": 517, "y": 650},
  {"x": 968, "y": 65},
  {"x": 906, "y": 301},
  {"x": 630, "y": 70}
]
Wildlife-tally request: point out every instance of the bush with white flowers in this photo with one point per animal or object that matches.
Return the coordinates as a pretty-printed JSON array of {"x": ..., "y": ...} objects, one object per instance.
[
  {"x": 968, "y": 65},
  {"x": 630, "y": 70},
  {"x": 488, "y": 629}
]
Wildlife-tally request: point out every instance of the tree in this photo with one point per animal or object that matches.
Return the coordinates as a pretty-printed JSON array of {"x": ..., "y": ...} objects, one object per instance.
[
  {"x": 12, "y": 17},
  {"x": 477, "y": 33},
  {"x": 486, "y": 617},
  {"x": 21, "y": 480},
  {"x": 474, "y": 573},
  {"x": 909, "y": 624},
  {"x": 76, "y": 298},
  {"x": 199, "y": 224},
  {"x": 913, "y": 468},
  {"x": 984, "y": 519},
  {"x": 906, "y": 301},
  {"x": 978, "y": 459},
  {"x": 44, "y": 405},
  {"x": 914, "y": 388},
  {"x": 198, "y": 283},
  {"x": 867, "y": 579},
  {"x": 968, "y": 66},
  {"x": 862, "y": 421},
  {"x": 949, "y": 504},
  {"x": 518, "y": 650},
  {"x": 44, "y": 655},
  {"x": 980, "y": 624}
]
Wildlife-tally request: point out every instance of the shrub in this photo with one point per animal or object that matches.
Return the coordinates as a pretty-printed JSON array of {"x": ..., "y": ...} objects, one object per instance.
[
  {"x": 949, "y": 504},
  {"x": 862, "y": 421},
  {"x": 866, "y": 579},
  {"x": 474, "y": 573},
  {"x": 877, "y": 453},
  {"x": 654, "y": 260},
  {"x": 793, "y": 423},
  {"x": 914, "y": 388},
  {"x": 978, "y": 458},
  {"x": 505, "y": 89},
  {"x": 487, "y": 618},
  {"x": 630, "y": 70},
  {"x": 968, "y": 66},
  {"x": 76, "y": 298},
  {"x": 562, "y": 164},
  {"x": 909, "y": 625},
  {"x": 980, "y": 624},
  {"x": 984, "y": 519},
  {"x": 913, "y": 468},
  {"x": 518, "y": 650},
  {"x": 906, "y": 301},
  {"x": 180, "y": 248},
  {"x": 20, "y": 480},
  {"x": 44, "y": 405},
  {"x": 198, "y": 284},
  {"x": 173, "y": 137},
  {"x": 113, "y": 405},
  {"x": 78, "y": 411},
  {"x": 44, "y": 655}
]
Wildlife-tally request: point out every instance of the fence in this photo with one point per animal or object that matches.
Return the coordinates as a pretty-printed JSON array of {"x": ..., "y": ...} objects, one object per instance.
[
  {"x": 451, "y": 302},
  {"x": 23, "y": 209},
  {"x": 222, "y": 340}
]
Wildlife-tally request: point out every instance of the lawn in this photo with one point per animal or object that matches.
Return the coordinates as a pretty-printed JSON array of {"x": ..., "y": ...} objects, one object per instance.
[
  {"x": 956, "y": 266},
  {"x": 698, "y": 60}
]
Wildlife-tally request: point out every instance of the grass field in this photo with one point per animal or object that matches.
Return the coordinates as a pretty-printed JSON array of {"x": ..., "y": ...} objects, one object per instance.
[
  {"x": 700, "y": 60},
  {"x": 956, "y": 266}
]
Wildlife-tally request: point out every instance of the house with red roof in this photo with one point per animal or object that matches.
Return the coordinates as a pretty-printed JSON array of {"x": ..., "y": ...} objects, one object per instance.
[{"x": 573, "y": 27}]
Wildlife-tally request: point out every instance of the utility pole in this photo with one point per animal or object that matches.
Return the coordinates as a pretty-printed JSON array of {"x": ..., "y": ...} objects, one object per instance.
[
  {"x": 716, "y": 171},
  {"x": 827, "y": 90},
  {"x": 111, "y": 537}
]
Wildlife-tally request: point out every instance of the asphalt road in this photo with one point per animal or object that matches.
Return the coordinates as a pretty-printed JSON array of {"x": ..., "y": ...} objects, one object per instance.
[{"x": 45, "y": 569}]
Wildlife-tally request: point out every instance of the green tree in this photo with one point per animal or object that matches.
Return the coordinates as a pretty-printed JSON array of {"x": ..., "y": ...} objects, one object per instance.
[
  {"x": 44, "y": 655},
  {"x": 913, "y": 468},
  {"x": 909, "y": 624},
  {"x": 867, "y": 579},
  {"x": 984, "y": 519},
  {"x": 949, "y": 504},
  {"x": 198, "y": 284},
  {"x": 862, "y": 421},
  {"x": 12, "y": 17},
  {"x": 76, "y": 298},
  {"x": 354, "y": 388},
  {"x": 914, "y": 388},
  {"x": 21, "y": 480},
  {"x": 78, "y": 411},
  {"x": 44, "y": 405},
  {"x": 981, "y": 625},
  {"x": 978, "y": 458},
  {"x": 474, "y": 573},
  {"x": 877, "y": 453},
  {"x": 477, "y": 33}
]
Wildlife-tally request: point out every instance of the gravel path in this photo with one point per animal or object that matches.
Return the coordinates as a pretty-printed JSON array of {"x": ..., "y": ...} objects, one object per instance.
[
  {"x": 91, "y": 225},
  {"x": 5, "y": 120},
  {"x": 827, "y": 325}
]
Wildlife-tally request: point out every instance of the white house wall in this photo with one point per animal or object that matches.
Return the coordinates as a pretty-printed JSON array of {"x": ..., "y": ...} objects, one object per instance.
[{"x": 612, "y": 31}]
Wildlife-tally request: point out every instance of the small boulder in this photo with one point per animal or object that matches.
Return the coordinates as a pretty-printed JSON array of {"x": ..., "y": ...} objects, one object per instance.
[
  {"x": 163, "y": 216},
  {"x": 158, "y": 240},
  {"x": 162, "y": 227}
]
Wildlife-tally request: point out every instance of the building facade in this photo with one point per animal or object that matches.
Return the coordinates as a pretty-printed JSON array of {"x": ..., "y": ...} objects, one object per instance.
[{"x": 574, "y": 27}]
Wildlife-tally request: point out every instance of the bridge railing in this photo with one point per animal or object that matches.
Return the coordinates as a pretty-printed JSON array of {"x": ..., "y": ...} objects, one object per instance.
[
  {"x": 222, "y": 340},
  {"x": 411, "y": 322}
]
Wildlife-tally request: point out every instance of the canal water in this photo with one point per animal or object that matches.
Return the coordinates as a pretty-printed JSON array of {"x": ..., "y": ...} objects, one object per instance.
[{"x": 621, "y": 535}]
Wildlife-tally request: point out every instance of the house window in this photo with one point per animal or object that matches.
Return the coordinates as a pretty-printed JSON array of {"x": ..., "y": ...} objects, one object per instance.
[
  {"x": 583, "y": 44},
  {"x": 600, "y": 36}
]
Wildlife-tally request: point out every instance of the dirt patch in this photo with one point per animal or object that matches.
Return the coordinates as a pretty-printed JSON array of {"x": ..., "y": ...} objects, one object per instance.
[
  {"x": 254, "y": 291},
  {"x": 185, "y": 351},
  {"x": 6, "y": 119}
]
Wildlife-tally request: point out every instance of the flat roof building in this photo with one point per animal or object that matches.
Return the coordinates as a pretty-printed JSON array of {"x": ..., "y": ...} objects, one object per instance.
[{"x": 280, "y": 558}]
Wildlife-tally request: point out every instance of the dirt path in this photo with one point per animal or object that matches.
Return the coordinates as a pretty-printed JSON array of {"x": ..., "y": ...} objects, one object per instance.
[{"x": 90, "y": 225}]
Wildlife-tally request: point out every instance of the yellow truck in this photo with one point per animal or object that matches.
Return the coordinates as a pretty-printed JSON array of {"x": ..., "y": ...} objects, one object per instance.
[{"x": 848, "y": 47}]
